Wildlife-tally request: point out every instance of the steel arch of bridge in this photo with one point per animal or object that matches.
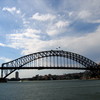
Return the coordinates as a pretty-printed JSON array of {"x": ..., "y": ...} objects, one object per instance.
[{"x": 9, "y": 67}]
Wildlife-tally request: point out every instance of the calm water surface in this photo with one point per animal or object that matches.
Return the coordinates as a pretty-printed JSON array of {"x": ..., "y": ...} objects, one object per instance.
[{"x": 51, "y": 90}]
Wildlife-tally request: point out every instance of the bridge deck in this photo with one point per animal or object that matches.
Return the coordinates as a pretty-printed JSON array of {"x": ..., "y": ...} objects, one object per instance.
[{"x": 40, "y": 68}]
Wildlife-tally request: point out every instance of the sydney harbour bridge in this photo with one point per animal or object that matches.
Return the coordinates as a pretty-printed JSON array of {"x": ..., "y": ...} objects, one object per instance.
[{"x": 53, "y": 59}]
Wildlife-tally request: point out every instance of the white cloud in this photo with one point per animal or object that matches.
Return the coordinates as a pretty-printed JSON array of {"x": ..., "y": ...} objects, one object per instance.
[
  {"x": 28, "y": 33},
  {"x": 25, "y": 39},
  {"x": 5, "y": 59},
  {"x": 12, "y": 10},
  {"x": 84, "y": 14},
  {"x": 29, "y": 30},
  {"x": 18, "y": 15},
  {"x": 61, "y": 24},
  {"x": 70, "y": 14},
  {"x": 82, "y": 44},
  {"x": 3, "y": 45},
  {"x": 57, "y": 28},
  {"x": 88, "y": 16},
  {"x": 52, "y": 32},
  {"x": 95, "y": 21},
  {"x": 43, "y": 17}
]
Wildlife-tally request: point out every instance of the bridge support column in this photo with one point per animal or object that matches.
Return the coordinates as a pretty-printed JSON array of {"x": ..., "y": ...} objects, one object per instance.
[
  {"x": 2, "y": 80},
  {"x": 1, "y": 73}
]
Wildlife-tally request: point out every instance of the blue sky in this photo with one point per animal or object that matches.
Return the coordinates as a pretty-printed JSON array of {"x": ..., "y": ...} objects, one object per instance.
[{"x": 28, "y": 26}]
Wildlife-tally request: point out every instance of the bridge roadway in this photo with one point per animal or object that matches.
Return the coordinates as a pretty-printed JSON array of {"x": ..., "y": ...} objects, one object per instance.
[{"x": 40, "y": 68}]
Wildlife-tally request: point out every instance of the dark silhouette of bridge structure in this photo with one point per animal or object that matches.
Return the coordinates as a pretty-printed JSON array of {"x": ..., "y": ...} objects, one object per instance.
[{"x": 53, "y": 59}]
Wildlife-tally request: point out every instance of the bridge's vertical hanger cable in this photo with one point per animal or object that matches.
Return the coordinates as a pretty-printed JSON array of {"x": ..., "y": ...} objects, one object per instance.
[
  {"x": 75, "y": 64},
  {"x": 73, "y": 60},
  {"x": 6, "y": 72},
  {"x": 26, "y": 65},
  {"x": 79, "y": 61},
  {"x": 38, "y": 60},
  {"x": 34, "y": 61},
  {"x": 76, "y": 60},
  {"x": 47, "y": 55},
  {"x": 70, "y": 61},
  {"x": 57, "y": 61},
  {"x": 43, "y": 62},
  {"x": 82, "y": 63},
  {"x": 64, "y": 61},
  {"x": 54, "y": 61},
  {"x": 31, "y": 63},
  {"x": 50, "y": 61},
  {"x": 68, "y": 64},
  {"x": 60, "y": 61},
  {"x": 46, "y": 61}
]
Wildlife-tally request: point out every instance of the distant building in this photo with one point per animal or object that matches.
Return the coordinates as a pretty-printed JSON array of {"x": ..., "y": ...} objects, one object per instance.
[{"x": 17, "y": 75}]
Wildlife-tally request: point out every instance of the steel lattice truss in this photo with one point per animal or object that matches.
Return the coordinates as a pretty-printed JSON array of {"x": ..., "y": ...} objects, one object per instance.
[{"x": 53, "y": 59}]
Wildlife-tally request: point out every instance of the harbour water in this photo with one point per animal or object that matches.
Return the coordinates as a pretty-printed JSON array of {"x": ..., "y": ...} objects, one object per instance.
[{"x": 51, "y": 90}]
